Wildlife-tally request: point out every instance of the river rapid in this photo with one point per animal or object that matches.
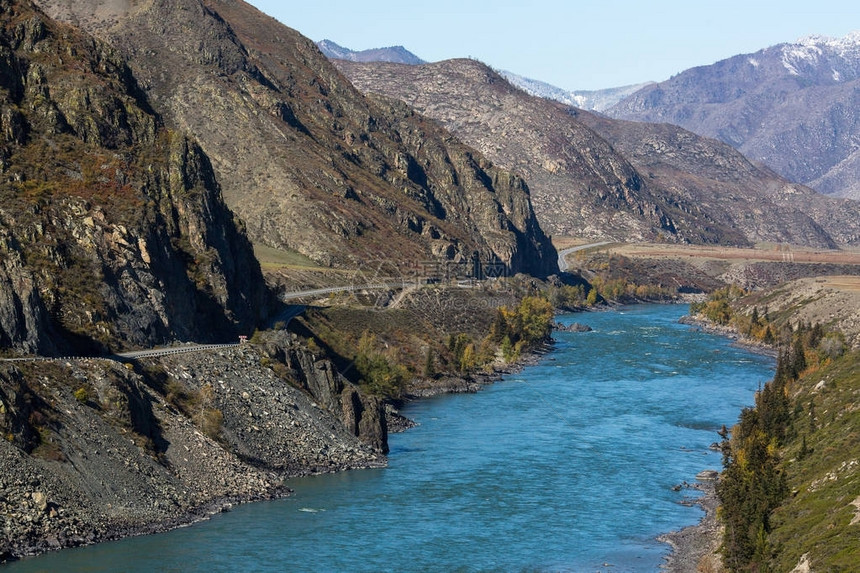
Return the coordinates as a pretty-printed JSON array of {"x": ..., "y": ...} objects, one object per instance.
[{"x": 568, "y": 465}]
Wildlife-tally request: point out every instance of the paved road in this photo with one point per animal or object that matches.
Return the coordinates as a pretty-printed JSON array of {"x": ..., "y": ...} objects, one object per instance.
[
  {"x": 562, "y": 254},
  {"x": 351, "y": 288},
  {"x": 125, "y": 356},
  {"x": 285, "y": 317},
  {"x": 167, "y": 351}
]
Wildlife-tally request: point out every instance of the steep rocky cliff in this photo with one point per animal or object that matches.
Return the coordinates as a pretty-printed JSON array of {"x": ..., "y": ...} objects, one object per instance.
[
  {"x": 113, "y": 233},
  {"x": 599, "y": 178},
  {"x": 304, "y": 159}
]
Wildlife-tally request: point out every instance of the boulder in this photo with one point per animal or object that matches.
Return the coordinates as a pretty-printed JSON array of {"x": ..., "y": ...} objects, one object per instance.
[{"x": 575, "y": 327}]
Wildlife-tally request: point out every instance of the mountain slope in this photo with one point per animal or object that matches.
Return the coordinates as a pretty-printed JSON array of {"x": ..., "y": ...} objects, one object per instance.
[
  {"x": 113, "y": 233},
  {"x": 305, "y": 160},
  {"x": 734, "y": 191},
  {"x": 793, "y": 107},
  {"x": 683, "y": 188}
]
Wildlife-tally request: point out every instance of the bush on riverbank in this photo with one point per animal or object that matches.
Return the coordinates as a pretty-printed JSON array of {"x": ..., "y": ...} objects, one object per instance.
[
  {"x": 625, "y": 291},
  {"x": 380, "y": 370},
  {"x": 514, "y": 330},
  {"x": 720, "y": 308}
]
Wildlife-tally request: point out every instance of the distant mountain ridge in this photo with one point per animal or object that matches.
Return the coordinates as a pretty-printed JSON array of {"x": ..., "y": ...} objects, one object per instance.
[
  {"x": 395, "y": 54},
  {"x": 608, "y": 179},
  {"x": 592, "y": 100},
  {"x": 595, "y": 100},
  {"x": 794, "y": 107}
]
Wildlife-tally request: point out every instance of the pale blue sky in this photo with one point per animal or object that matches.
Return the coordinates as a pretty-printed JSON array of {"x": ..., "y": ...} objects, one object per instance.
[{"x": 573, "y": 45}]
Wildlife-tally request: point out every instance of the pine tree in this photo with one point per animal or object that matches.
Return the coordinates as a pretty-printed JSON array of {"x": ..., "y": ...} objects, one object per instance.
[
  {"x": 798, "y": 364},
  {"x": 429, "y": 368}
]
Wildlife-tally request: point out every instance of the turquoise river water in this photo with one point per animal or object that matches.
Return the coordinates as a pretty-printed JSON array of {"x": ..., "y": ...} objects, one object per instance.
[{"x": 566, "y": 466}]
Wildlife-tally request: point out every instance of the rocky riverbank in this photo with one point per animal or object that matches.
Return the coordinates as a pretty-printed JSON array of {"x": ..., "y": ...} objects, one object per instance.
[
  {"x": 694, "y": 548},
  {"x": 97, "y": 450}
]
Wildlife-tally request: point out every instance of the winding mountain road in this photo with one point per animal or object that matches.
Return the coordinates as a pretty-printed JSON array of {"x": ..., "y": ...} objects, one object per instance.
[
  {"x": 285, "y": 317},
  {"x": 562, "y": 254}
]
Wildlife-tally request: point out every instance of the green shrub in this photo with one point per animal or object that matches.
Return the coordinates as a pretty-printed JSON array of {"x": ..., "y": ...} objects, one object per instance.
[
  {"x": 82, "y": 395},
  {"x": 380, "y": 371}
]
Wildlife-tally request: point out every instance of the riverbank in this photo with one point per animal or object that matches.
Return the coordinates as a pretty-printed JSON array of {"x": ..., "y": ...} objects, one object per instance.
[
  {"x": 694, "y": 548},
  {"x": 731, "y": 333},
  {"x": 471, "y": 383}
]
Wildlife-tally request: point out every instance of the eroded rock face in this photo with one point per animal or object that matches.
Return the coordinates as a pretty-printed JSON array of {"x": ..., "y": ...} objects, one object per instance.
[
  {"x": 363, "y": 416},
  {"x": 113, "y": 233},
  {"x": 304, "y": 159}
]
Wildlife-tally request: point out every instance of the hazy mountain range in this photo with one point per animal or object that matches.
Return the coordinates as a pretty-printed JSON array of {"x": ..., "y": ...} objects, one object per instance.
[
  {"x": 592, "y": 100},
  {"x": 794, "y": 107},
  {"x": 396, "y": 54}
]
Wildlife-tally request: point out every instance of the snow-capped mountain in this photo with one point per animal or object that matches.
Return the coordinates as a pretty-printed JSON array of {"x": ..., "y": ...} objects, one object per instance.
[
  {"x": 596, "y": 100},
  {"x": 794, "y": 107},
  {"x": 837, "y": 59}
]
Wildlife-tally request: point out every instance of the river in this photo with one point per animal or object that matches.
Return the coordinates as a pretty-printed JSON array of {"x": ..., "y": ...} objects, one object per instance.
[{"x": 566, "y": 466}]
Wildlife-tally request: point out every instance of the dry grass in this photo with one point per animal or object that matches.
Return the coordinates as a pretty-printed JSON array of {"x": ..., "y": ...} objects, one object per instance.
[
  {"x": 843, "y": 283},
  {"x": 271, "y": 259},
  {"x": 563, "y": 242},
  {"x": 776, "y": 253}
]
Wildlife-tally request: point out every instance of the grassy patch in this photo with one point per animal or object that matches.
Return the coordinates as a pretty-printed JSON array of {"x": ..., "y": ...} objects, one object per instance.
[
  {"x": 271, "y": 258},
  {"x": 825, "y": 475}
]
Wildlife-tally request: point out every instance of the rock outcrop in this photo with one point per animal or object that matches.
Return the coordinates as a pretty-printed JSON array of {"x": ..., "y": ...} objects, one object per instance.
[{"x": 113, "y": 232}]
